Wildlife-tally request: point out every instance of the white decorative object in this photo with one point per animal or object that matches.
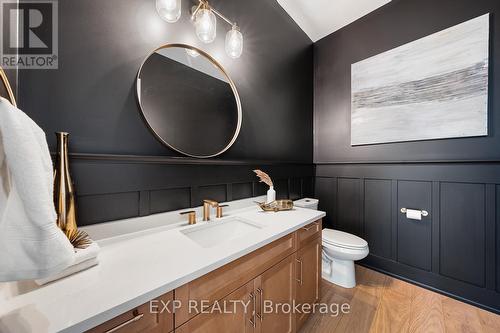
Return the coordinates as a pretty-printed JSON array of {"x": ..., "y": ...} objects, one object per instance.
[
  {"x": 432, "y": 88},
  {"x": 271, "y": 195}
]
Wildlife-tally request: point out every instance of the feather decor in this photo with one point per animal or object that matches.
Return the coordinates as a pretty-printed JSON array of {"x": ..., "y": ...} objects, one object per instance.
[
  {"x": 78, "y": 238},
  {"x": 264, "y": 177}
]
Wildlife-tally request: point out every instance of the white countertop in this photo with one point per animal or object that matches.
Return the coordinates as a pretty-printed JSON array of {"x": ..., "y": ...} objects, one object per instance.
[{"x": 134, "y": 268}]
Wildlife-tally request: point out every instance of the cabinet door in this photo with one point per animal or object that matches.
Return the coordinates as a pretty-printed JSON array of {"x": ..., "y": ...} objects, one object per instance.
[
  {"x": 233, "y": 314},
  {"x": 308, "y": 277},
  {"x": 275, "y": 290}
]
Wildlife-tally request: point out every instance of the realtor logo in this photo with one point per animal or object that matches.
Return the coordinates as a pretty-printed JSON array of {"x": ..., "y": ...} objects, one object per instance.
[{"x": 29, "y": 35}]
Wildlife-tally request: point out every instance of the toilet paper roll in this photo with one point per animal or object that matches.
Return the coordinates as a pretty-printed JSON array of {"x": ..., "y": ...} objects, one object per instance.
[{"x": 413, "y": 214}]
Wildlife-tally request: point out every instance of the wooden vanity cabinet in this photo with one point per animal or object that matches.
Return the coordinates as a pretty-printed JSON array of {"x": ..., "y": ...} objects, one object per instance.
[
  {"x": 286, "y": 271},
  {"x": 247, "y": 305},
  {"x": 219, "y": 283},
  {"x": 238, "y": 297}
]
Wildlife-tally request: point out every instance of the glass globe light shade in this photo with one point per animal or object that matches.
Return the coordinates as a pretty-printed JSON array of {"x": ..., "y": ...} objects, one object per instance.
[
  {"x": 169, "y": 10},
  {"x": 234, "y": 43},
  {"x": 205, "y": 25}
]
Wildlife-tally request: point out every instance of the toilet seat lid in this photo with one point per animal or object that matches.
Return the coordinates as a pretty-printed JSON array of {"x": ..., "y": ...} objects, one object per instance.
[{"x": 343, "y": 239}]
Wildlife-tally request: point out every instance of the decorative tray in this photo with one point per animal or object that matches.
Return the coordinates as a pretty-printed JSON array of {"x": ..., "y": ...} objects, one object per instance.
[{"x": 276, "y": 206}]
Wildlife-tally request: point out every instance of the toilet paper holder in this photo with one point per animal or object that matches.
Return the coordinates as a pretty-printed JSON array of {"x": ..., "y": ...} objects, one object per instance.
[{"x": 423, "y": 212}]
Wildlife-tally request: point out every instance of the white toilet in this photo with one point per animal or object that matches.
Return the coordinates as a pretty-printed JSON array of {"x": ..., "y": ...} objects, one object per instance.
[{"x": 340, "y": 250}]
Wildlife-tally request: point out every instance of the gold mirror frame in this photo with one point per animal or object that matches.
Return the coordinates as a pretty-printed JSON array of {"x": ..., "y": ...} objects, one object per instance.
[
  {"x": 7, "y": 86},
  {"x": 219, "y": 66}
]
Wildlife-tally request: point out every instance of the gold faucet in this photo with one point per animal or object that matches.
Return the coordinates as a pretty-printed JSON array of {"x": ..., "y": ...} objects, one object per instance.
[
  {"x": 206, "y": 208},
  {"x": 191, "y": 216}
]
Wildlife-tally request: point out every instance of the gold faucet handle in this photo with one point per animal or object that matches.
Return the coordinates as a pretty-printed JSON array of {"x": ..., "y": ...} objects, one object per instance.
[
  {"x": 191, "y": 216},
  {"x": 219, "y": 211},
  {"x": 212, "y": 203}
]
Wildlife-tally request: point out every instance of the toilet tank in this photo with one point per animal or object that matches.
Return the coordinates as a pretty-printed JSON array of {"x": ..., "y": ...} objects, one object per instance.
[{"x": 307, "y": 203}]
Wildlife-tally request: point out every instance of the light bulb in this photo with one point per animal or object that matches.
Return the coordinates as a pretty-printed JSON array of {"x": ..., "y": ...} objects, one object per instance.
[
  {"x": 234, "y": 42},
  {"x": 169, "y": 10},
  {"x": 205, "y": 25},
  {"x": 192, "y": 53}
]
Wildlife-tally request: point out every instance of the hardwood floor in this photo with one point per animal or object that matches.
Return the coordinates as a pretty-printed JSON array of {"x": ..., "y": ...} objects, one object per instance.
[{"x": 380, "y": 303}]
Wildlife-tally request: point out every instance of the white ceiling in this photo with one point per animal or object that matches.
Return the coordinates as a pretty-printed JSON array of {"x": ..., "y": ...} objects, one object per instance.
[{"x": 319, "y": 18}]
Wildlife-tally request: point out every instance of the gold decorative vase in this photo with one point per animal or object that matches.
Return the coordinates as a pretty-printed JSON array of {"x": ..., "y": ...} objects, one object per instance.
[{"x": 64, "y": 195}]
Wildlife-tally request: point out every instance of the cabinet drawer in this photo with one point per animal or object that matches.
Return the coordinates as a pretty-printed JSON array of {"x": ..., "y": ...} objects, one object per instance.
[
  {"x": 141, "y": 319},
  {"x": 239, "y": 318},
  {"x": 308, "y": 233},
  {"x": 221, "y": 282}
]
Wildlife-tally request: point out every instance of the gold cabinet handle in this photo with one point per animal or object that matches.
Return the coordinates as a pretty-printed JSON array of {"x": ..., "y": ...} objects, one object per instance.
[
  {"x": 261, "y": 294},
  {"x": 252, "y": 318},
  {"x": 137, "y": 316},
  {"x": 300, "y": 280}
]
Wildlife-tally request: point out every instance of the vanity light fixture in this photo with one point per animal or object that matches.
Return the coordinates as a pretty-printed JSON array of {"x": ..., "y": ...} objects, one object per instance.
[
  {"x": 169, "y": 10},
  {"x": 206, "y": 23},
  {"x": 204, "y": 17}
]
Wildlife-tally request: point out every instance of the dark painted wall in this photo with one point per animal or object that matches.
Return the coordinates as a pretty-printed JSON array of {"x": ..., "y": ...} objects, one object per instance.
[
  {"x": 92, "y": 96},
  {"x": 393, "y": 25},
  {"x": 456, "y": 248},
  {"x": 103, "y": 43}
]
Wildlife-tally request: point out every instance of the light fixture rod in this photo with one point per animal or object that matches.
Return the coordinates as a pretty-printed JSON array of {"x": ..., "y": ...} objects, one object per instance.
[
  {"x": 222, "y": 16},
  {"x": 216, "y": 12}
]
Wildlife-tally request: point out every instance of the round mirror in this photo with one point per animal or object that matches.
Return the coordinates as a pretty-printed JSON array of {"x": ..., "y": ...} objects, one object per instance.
[{"x": 188, "y": 101}]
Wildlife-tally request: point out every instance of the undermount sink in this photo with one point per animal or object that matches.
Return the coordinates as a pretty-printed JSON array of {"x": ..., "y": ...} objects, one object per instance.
[{"x": 217, "y": 232}]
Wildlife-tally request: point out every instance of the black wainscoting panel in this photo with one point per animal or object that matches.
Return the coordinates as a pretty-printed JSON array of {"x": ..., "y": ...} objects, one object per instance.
[
  {"x": 307, "y": 187},
  {"x": 377, "y": 219},
  {"x": 490, "y": 236},
  {"x": 295, "y": 188},
  {"x": 498, "y": 237},
  {"x": 463, "y": 232},
  {"x": 281, "y": 188},
  {"x": 112, "y": 187},
  {"x": 106, "y": 207},
  {"x": 169, "y": 199},
  {"x": 455, "y": 250},
  {"x": 212, "y": 192},
  {"x": 242, "y": 190},
  {"x": 414, "y": 236},
  {"x": 260, "y": 188},
  {"x": 348, "y": 205},
  {"x": 326, "y": 191}
]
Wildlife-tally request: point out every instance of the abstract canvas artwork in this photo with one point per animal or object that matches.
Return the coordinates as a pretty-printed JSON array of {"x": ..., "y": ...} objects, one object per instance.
[{"x": 433, "y": 88}]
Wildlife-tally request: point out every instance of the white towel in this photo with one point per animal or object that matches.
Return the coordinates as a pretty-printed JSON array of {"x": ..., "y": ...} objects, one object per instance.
[
  {"x": 84, "y": 259},
  {"x": 31, "y": 244}
]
